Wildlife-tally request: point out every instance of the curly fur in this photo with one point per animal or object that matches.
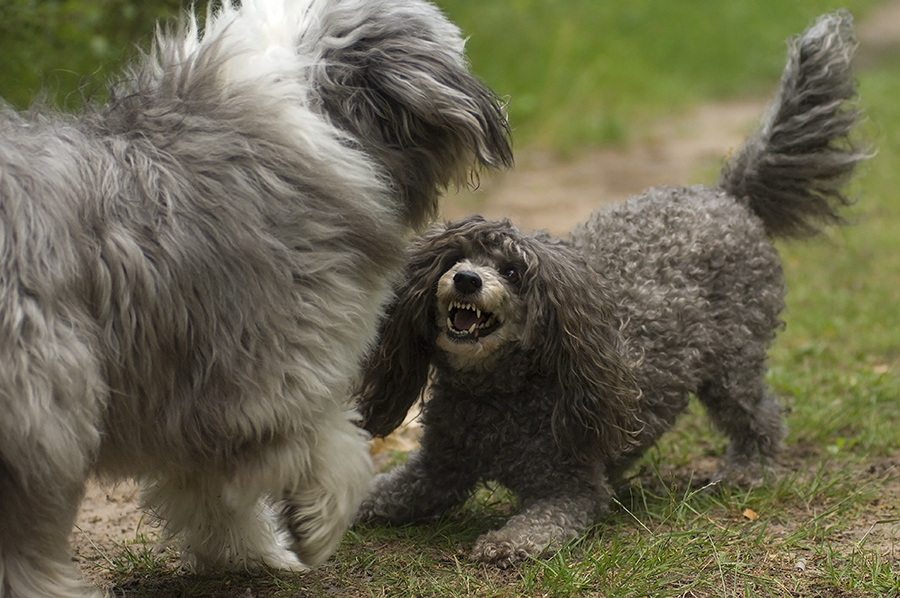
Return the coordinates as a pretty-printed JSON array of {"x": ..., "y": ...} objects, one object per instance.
[
  {"x": 557, "y": 362},
  {"x": 191, "y": 275}
]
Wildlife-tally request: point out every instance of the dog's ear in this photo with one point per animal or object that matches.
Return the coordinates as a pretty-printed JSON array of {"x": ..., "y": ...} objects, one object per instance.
[
  {"x": 397, "y": 369},
  {"x": 571, "y": 326},
  {"x": 396, "y": 78}
]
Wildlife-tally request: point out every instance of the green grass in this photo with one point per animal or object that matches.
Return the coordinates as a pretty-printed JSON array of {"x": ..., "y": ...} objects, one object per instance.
[{"x": 588, "y": 72}]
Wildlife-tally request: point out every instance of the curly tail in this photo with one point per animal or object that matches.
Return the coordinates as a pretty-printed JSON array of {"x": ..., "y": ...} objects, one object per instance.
[{"x": 792, "y": 169}]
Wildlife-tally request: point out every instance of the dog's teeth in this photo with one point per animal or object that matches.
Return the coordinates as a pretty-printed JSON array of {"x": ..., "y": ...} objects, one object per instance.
[
  {"x": 449, "y": 324},
  {"x": 477, "y": 313},
  {"x": 472, "y": 328}
]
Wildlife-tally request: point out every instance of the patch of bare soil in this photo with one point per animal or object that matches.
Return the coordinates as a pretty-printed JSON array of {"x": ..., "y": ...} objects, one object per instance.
[
  {"x": 547, "y": 192},
  {"x": 109, "y": 517},
  {"x": 551, "y": 193}
]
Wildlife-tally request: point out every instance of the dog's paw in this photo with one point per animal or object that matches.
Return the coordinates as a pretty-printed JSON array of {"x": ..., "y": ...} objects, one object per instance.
[
  {"x": 242, "y": 556},
  {"x": 366, "y": 513},
  {"x": 282, "y": 559},
  {"x": 314, "y": 532},
  {"x": 497, "y": 549},
  {"x": 745, "y": 474}
]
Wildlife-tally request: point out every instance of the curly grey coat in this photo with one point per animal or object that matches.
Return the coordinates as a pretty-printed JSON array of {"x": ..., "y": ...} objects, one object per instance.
[{"x": 556, "y": 363}]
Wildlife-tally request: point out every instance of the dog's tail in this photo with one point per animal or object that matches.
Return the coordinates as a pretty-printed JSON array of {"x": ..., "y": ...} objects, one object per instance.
[{"x": 792, "y": 170}]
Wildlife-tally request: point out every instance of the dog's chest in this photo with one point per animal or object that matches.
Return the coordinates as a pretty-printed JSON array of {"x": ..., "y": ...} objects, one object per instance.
[{"x": 493, "y": 433}]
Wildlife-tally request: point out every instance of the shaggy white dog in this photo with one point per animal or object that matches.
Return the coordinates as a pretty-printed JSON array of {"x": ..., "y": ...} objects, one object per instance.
[{"x": 191, "y": 274}]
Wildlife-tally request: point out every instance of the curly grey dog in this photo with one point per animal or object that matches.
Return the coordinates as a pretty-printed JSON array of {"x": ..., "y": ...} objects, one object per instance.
[
  {"x": 191, "y": 275},
  {"x": 558, "y": 362}
]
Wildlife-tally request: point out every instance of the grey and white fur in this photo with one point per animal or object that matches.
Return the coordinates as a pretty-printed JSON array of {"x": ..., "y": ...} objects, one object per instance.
[
  {"x": 557, "y": 362},
  {"x": 191, "y": 275}
]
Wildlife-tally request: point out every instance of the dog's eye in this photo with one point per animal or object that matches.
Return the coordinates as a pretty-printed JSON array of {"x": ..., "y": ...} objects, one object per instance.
[{"x": 510, "y": 274}]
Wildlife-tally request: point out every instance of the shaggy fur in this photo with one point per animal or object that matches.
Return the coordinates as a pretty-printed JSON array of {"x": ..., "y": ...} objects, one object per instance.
[
  {"x": 558, "y": 362},
  {"x": 191, "y": 275}
]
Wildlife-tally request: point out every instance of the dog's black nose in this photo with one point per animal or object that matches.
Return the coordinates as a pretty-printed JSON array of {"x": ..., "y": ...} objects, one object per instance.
[{"x": 466, "y": 281}]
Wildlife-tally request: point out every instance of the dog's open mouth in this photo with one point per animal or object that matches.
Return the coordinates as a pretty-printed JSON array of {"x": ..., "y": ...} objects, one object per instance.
[{"x": 467, "y": 322}]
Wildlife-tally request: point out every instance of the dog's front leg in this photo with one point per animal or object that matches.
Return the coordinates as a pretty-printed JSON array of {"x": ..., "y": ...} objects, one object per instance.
[
  {"x": 218, "y": 522},
  {"x": 228, "y": 518},
  {"x": 419, "y": 489},
  {"x": 333, "y": 482},
  {"x": 543, "y": 524}
]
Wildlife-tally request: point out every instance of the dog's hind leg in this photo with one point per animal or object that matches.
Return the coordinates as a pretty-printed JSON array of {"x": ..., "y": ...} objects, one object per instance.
[
  {"x": 740, "y": 405},
  {"x": 35, "y": 523},
  {"x": 50, "y": 398}
]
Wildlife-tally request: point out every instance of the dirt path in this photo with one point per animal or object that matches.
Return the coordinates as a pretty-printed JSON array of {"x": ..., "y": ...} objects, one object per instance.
[
  {"x": 544, "y": 192},
  {"x": 547, "y": 192}
]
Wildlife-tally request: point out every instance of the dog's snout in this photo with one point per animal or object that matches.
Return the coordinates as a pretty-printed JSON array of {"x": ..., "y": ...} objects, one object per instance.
[{"x": 466, "y": 281}]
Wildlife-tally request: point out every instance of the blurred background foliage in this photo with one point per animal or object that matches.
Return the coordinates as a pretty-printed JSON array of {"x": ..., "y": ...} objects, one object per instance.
[
  {"x": 577, "y": 73},
  {"x": 60, "y": 50}
]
